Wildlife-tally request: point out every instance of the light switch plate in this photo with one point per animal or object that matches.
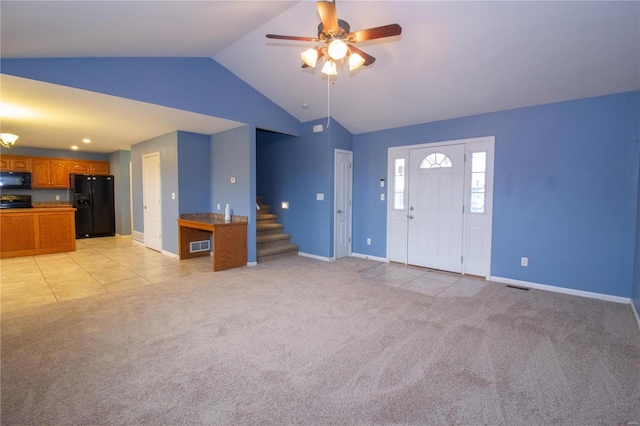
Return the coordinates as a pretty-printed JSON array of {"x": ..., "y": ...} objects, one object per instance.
[
  {"x": 320, "y": 197},
  {"x": 233, "y": 179},
  {"x": 381, "y": 197}
]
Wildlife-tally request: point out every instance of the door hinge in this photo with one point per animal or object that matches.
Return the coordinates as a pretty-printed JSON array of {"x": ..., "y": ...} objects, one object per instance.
[
  {"x": 349, "y": 165},
  {"x": 465, "y": 158},
  {"x": 349, "y": 239},
  {"x": 463, "y": 208},
  {"x": 461, "y": 259}
]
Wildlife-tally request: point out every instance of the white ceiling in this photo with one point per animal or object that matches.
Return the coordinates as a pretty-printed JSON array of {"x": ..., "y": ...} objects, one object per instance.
[{"x": 453, "y": 59}]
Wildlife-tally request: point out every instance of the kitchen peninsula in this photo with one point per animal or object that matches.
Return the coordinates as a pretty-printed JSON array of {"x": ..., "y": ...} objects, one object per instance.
[
  {"x": 229, "y": 239},
  {"x": 38, "y": 230}
]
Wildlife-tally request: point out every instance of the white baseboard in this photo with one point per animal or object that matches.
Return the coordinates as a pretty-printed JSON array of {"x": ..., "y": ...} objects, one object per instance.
[
  {"x": 138, "y": 236},
  {"x": 170, "y": 254},
  {"x": 635, "y": 314},
  {"x": 366, "y": 256},
  {"x": 314, "y": 256},
  {"x": 581, "y": 293},
  {"x": 252, "y": 263}
]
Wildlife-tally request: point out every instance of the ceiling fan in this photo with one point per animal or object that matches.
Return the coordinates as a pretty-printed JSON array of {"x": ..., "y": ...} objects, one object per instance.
[{"x": 335, "y": 41}]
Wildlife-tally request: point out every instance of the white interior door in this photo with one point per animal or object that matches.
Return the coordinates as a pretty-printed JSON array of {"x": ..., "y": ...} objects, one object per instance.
[
  {"x": 152, "y": 201},
  {"x": 436, "y": 196},
  {"x": 343, "y": 187}
]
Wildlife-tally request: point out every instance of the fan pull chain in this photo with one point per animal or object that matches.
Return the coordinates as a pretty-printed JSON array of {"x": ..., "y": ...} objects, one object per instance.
[{"x": 328, "y": 100}]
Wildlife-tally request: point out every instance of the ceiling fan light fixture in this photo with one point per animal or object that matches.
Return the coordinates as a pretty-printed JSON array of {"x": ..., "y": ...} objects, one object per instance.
[
  {"x": 355, "y": 61},
  {"x": 310, "y": 57},
  {"x": 7, "y": 140},
  {"x": 337, "y": 49},
  {"x": 329, "y": 68}
]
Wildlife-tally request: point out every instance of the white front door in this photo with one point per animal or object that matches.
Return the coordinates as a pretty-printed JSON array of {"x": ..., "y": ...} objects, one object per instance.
[
  {"x": 152, "y": 201},
  {"x": 436, "y": 196},
  {"x": 343, "y": 188}
]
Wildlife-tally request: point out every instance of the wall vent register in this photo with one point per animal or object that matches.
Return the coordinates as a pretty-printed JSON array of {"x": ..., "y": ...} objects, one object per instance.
[{"x": 198, "y": 246}]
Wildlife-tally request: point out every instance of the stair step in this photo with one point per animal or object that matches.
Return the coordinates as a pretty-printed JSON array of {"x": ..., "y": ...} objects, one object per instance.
[
  {"x": 268, "y": 228},
  {"x": 264, "y": 208},
  {"x": 266, "y": 217},
  {"x": 272, "y": 238},
  {"x": 277, "y": 252}
]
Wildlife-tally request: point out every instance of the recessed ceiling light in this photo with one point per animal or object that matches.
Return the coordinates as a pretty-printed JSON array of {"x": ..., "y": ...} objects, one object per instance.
[
  {"x": 74, "y": 147},
  {"x": 86, "y": 140}
]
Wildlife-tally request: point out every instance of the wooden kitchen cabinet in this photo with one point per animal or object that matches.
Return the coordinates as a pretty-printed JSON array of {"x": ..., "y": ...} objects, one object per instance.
[
  {"x": 15, "y": 163},
  {"x": 50, "y": 173},
  {"x": 28, "y": 232},
  {"x": 89, "y": 167}
]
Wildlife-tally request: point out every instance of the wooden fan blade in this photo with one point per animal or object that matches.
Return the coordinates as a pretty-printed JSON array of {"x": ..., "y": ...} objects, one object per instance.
[
  {"x": 294, "y": 38},
  {"x": 368, "y": 59},
  {"x": 328, "y": 16},
  {"x": 374, "y": 33}
]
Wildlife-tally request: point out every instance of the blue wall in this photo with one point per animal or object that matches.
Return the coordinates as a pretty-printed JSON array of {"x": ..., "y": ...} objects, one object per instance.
[
  {"x": 565, "y": 189},
  {"x": 635, "y": 289},
  {"x": 119, "y": 168},
  {"x": 295, "y": 169},
  {"x": 231, "y": 156},
  {"x": 167, "y": 146},
  {"x": 194, "y": 165},
  {"x": 192, "y": 84}
]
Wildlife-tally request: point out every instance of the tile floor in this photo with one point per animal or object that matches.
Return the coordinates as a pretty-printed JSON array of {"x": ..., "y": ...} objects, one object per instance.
[
  {"x": 425, "y": 281},
  {"x": 101, "y": 265}
]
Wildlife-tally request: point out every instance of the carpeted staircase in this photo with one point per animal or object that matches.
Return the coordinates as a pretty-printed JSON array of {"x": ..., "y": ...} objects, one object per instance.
[{"x": 272, "y": 242}]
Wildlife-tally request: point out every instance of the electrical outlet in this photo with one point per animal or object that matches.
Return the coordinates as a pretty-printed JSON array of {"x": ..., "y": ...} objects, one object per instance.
[
  {"x": 218, "y": 206},
  {"x": 57, "y": 198},
  {"x": 368, "y": 241},
  {"x": 524, "y": 261},
  {"x": 381, "y": 197}
]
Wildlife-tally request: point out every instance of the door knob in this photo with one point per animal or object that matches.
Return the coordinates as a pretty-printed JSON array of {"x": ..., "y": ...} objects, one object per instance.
[
  {"x": 410, "y": 216},
  {"x": 339, "y": 211}
]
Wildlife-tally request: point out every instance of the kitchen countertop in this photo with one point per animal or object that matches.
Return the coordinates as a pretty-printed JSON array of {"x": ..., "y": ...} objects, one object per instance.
[
  {"x": 35, "y": 209},
  {"x": 213, "y": 218}
]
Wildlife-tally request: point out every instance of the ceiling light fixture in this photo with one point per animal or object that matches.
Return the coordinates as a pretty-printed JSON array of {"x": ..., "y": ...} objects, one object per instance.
[
  {"x": 86, "y": 140},
  {"x": 355, "y": 61},
  {"x": 311, "y": 56},
  {"x": 74, "y": 147},
  {"x": 336, "y": 40},
  {"x": 329, "y": 68},
  {"x": 337, "y": 49},
  {"x": 7, "y": 140}
]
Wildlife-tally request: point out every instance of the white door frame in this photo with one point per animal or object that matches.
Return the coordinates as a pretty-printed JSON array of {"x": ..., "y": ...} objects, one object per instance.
[
  {"x": 471, "y": 145},
  {"x": 349, "y": 206},
  {"x": 150, "y": 243}
]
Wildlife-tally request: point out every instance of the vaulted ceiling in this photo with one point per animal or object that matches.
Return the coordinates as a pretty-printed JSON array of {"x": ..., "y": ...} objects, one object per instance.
[{"x": 453, "y": 59}]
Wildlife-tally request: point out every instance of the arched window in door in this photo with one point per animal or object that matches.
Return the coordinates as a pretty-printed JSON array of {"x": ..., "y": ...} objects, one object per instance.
[{"x": 435, "y": 160}]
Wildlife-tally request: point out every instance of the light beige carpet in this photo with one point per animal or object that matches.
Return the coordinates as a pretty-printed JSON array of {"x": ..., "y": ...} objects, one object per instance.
[{"x": 299, "y": 341}]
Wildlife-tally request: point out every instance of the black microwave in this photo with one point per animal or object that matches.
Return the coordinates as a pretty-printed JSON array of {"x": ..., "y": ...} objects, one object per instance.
[{"x": 15, "y": 180}]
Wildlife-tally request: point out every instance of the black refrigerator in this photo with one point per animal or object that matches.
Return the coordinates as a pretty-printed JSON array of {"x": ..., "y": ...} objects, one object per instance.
[{"x": 92, "y": 196}]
